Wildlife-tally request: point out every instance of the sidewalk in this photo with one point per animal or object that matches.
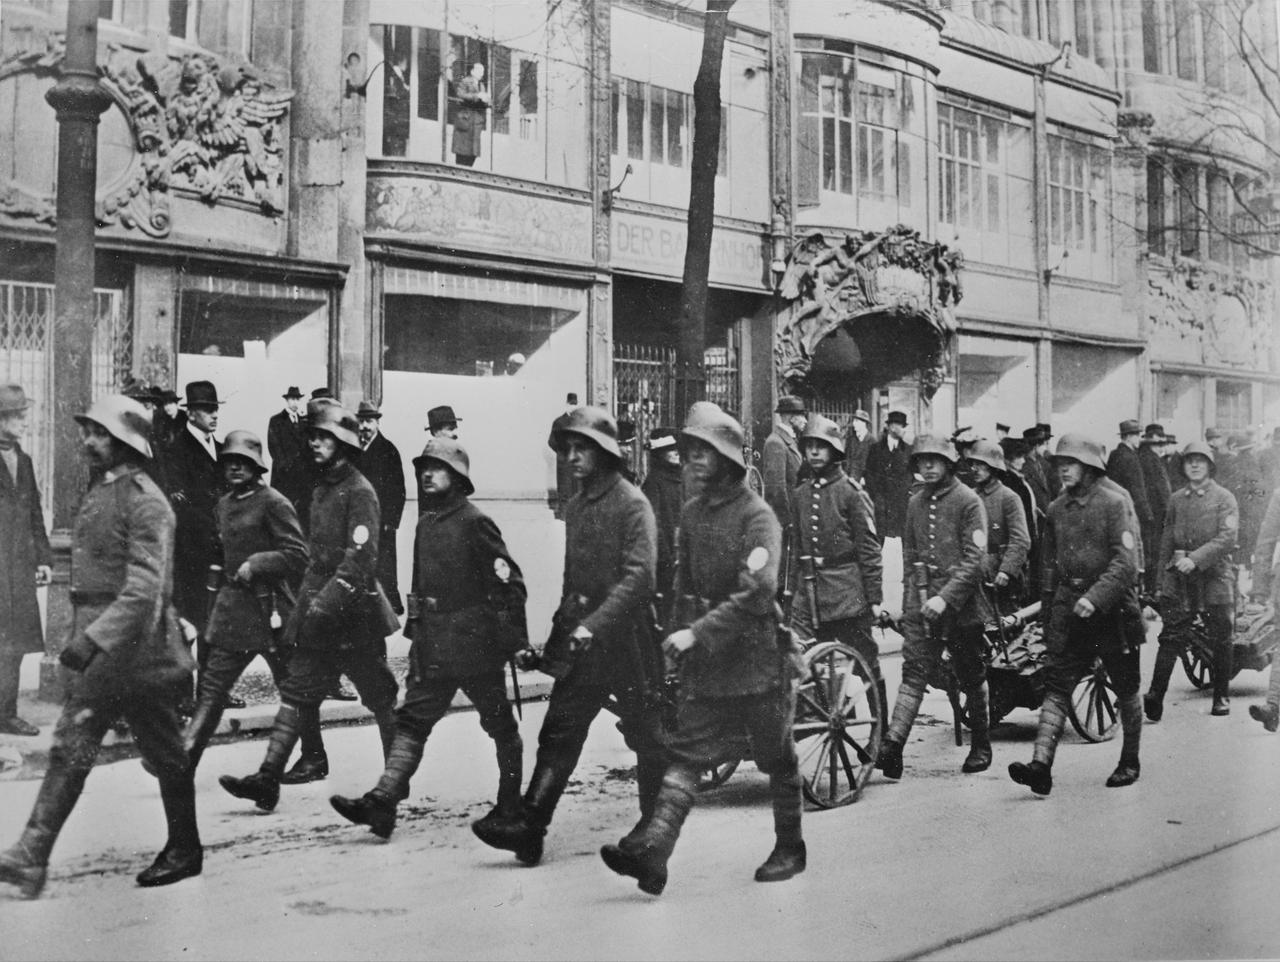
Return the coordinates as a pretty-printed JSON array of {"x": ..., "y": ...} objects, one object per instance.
[{"x": 27, "y": 757}]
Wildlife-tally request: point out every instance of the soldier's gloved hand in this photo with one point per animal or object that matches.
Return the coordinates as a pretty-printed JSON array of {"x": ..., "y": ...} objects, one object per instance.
[
  {"x": 934, "y": 607},
  {"x": 678, "y": 642},
  {"x": 79, "y": 653},
  {"x": 580, "y": 640},
  {"x": 527, "y": 659}
]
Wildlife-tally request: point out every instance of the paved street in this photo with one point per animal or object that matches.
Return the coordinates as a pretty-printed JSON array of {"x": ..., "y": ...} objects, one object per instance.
[{"x": 940, "y": 865}]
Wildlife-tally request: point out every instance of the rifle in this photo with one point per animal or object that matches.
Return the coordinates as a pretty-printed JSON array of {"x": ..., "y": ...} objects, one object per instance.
[
  {"x": 809, "y": 564},
  {"x": 515, "y": 688}
]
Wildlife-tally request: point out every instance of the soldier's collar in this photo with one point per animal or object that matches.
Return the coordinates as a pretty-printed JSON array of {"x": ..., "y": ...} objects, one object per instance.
[
  {"x": 601, "y": 484},
  {"x": 721, "y": 494},
  {"x": 337, "y": 473}
]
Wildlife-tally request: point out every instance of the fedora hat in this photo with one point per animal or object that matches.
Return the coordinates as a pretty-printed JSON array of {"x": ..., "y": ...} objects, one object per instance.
[
  {"x": 897, "y": 417},
  {"x": 293, "y": 392},
  {"x": 202, "y": 394},
  {"x": 167, "y": 395},
  {"x": 440, "y": 416},
  {"x": 322, "y": 392},
  {"x": 367, "y": 409},
  {"x": 1129, "y": 426},
  {"x": 13, "y": 399},
  {"x": 861, "y": 415},
  {"x": 660, "y": 438},
  {"x": 789, "y": 404}
]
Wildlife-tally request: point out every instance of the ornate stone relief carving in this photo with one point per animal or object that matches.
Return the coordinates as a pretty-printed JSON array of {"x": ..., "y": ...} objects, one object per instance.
[
  {"x": 893, "y": 292},
  {"x": 1226, "y": 317},
  {"x": 197, "y": 124}
]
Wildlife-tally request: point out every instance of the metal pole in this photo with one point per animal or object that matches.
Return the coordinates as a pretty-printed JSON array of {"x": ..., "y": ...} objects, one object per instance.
[{"x": 78, "y": 101}]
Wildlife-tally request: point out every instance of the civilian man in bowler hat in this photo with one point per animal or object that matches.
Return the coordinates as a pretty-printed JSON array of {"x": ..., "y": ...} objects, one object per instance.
[
  {"x": 287, "y": 445},
  {"x": 443, "y": 423},
  {"x": 1159, "y": 491},
  {"x": 1124, "y": 468},
  {"x": 780, "y": 460},
  {"x": 380, "y": 463},
  {"x": 889, "y": 476},
  {"x": 195, "y": 484},
  {"x": 25, "y": 557},
  {"x": 1036, "y": 468},
  {"x": 857, "y": 445}
]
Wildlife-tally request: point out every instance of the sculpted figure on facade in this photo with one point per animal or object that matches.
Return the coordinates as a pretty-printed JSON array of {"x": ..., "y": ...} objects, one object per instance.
[
  {"x": 196, "y": 124},
  {"x": 1222, "y": 318},
  {"x": 886, "y": 285}
]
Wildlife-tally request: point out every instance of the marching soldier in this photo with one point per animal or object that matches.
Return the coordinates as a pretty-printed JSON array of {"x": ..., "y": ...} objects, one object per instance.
[
  {"x": 601, "y": 642},
  {"x": 1089, "y": 607},
  {"x": 1008, "y": 540},
  {"x": 944, "y": 547},
  {"x": 733, "y": 675},
  {"x": 125, "y": 652},
  {"x": 466, "y": 619},
  {"x": 1197, "y": 575},
  {"x": 342, "y": 617},
  {"x": 836, "y": 559},
  {"x": 264, "y": 555}
]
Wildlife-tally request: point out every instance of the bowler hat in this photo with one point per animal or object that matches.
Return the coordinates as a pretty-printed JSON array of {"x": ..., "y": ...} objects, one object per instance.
[
  {"x": 789, "y": 404},
  {"x": 367, "y": 409},
  {"x": 660, "y": 438},
  {"x": 1033, "y": 435},
  {"x": 202, "y": 394},
  {"x": 438, "y": 417},
  {"x": 13, "y": 399},
  {"x": 1153, "y": 431},
  {"x": 244, "y": 444},
  {"x": 293, "y": 392},
  {"x": 1045, "y": 430},
  {"x": 897, "y": 417},
  {"x": 1171, "y": 438},
  {"x": 167, "y": 395},
  {"x": 1013, "y": 448},
  {"x": 322, "y": 392},
  {"x": 1211, "y": 434},
  {"x": 1129, "y": 426}
]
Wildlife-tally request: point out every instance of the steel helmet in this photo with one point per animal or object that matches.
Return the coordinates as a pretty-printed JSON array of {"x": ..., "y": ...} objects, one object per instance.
[
  {"x": 935, "y": 445},
  {"x": 338, "y": 421},
  {"x": 594, "y": 424},
  {"x": 825, "y": 430},
  {"x": 1079, "y": 448},
  {"x": 709, "y": 424},
  {"x": 989, "y": 453},
  {"x": 124, "y": 419},
  {"x": 449, "y": 453},
  {"x": 1202, "y": 449},
  {"x": 246, "y": 444}
]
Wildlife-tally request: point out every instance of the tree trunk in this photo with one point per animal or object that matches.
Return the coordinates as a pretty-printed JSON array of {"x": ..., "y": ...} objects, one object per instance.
[{"x": 691, "y": 383}]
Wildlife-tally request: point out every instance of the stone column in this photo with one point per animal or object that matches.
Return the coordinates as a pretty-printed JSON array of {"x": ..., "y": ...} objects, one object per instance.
[
  {"x": 600, "y": 302},
  {"x": 79, "y": 101}
]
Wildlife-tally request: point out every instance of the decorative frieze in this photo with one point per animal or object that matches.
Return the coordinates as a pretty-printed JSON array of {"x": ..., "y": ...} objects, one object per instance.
[
  {"x": 197, "y": 124},
  {"x": 1217, "y": 318},
  {"x": 893, "y": 292}
]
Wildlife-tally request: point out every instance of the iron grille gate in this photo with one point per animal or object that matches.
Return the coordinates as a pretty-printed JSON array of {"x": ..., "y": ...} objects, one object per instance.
[
  {"x": 26, "y": 320},
  {"x": 644, "y": 390}
]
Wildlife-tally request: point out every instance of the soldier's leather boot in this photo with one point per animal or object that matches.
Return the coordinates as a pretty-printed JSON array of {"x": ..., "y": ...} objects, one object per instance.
[
  {"x": 372, "y": 809},
  {"x": 182, "y": 856},
  {"x": 1037, "y": 776},
  {"x": 510, "y": 754},
  {"x": 200, "y": 729},
  {"x": 890, "y": 759},
  {"x": 260, "y": 788},
  {"x": 788, "y": 857},
  {"x": 1268, "y": 715},
  {"x": 524, "y": 834},
  {"x": 1153, "y": 700},
  {"x": 312, "y": 764},
  {"x": 386, "y": 720},
  {"x": 883, "y": 692},
  {"x": 263, "y": 786},
  {"x": 650, "y": 769},
  {"x": 1222, "y": 666},
  {"x": 647, "y": 863},
  {"x": 308, "y": 768},
  {"x": 25, "y": 865},
  {"x": 401, "y": 763},
  {"x": 1127, "y": 771},
  {"x": 979, "y": 757}
]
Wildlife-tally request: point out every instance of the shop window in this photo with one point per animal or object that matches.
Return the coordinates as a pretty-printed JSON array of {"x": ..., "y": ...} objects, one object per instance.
[
  {"x": 996, "y": 381},
  {"x": 1093, "y": 389},
  {"x": 1235, "y": 405},
  {"x": 1178, "y": 404}
]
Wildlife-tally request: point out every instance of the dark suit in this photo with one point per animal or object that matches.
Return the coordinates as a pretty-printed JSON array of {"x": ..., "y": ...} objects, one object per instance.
[
  {"x": 855, "y": 455},
  {"x": 381, "y": 465},
  {"x": 195, "y": 485},
  {"x": 1158, "y": 493},
  {"x": 24, "y": 545},
  {"x": 1124, "y": 468},
  {"x": 290, "y": 458},
  {"x": 889, "y": 484}
]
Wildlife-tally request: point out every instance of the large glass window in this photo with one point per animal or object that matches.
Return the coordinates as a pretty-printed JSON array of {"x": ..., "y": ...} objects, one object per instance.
[
  {"x": 1090, "y": 386},
  {"x": 1186, "y": 179},
  {"x": 996, "y": 378},
  {"x": 502, "y": 89},
  {"x": 1184, "y": 38},
  {"x": 1078, "y": 203},
  {"x": 655, "y": 124},
  {"x": 1235, "y": 405}
]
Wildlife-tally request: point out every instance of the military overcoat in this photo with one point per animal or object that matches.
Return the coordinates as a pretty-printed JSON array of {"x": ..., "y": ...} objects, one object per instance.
[
  {"x": 832, "y": 525},
  {"x": 1205, "y": 523},
  {"x": 946, "y": 529}
]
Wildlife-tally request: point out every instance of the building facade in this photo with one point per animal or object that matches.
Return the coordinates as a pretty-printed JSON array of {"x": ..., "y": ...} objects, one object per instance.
[{"x": 1023, "y": 211}]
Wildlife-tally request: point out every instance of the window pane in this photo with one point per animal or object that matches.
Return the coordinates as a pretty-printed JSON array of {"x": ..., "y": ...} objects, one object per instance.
[
  {"x": 676, "y": 130},
  {"x": 396, "y": 78},
  {"x": 500, "y": 89},
  {"x": 1184, "y": 38},
  {"x": 428, "y": 42},
  {"x": 846, "y": 157},
  {"x": 808, "y": 135},
  {"x": 1083, "y": 27},
  {"x": 178, "y": 13},
  {"x": 635, "y": 120},
  {"x": 657, "y": 134},
  {"x": 902, "y": 176},
  {"x": 828, "y": 153},
  {"x": 615, "y": 106},
  {"x": 1150, "y": 37},
  {"x": 993, "y": 203},
  {"x": 1155, "y": 207}
]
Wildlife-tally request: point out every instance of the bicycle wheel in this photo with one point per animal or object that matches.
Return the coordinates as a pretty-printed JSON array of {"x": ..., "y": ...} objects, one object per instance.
[
  {"x": 1198, "y": 668},
  {"x": 1093, "y": 711},
  {"x": 837, "y": 726}
]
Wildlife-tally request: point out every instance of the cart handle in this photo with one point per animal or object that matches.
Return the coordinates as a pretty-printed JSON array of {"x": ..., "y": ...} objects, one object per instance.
[{"x": 1021, "y": 616}]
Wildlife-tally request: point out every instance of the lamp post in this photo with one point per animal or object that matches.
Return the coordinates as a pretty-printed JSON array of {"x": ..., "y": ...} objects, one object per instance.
[{"x": 78, "y": 101}]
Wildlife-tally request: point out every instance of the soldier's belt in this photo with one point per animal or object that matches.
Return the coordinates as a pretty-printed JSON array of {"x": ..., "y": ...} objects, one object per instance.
[
  {"x": 835, "y": 561},
  {"x": 1077, "y": 584},
  {"x": 443, "y": 606},
  {"x": 91, "y": 597}
]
